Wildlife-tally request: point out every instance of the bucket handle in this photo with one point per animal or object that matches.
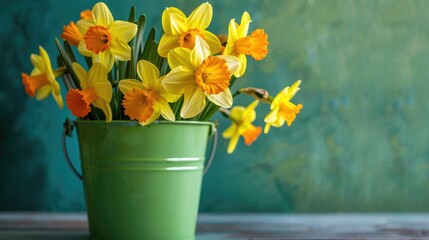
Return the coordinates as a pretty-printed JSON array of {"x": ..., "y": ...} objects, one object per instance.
[{"x": 68, "y": 128}]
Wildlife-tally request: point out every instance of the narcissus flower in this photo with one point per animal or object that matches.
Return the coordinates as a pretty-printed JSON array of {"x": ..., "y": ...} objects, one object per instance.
[
  {"x": 240, "y": 45},
  {"x": 42, "y": 80},
  {"x": 96, "y": 90},
  {"x": 197, "y": 74},
  {"x": 282, "y": 109},
  {"x": 147, "y": 99},
  {"x": 242, "y": 119},
  {"x": 104, "y": 38},
  {"x": 180, "y": 31},
  {"x": 71, "y": 32}
]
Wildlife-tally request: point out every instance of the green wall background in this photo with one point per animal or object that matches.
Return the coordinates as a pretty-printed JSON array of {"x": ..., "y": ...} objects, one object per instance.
[{"x": 359, "y": 144}]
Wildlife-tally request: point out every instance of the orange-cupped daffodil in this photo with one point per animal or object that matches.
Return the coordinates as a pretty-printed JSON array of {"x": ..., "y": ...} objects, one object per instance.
[
  {"x": 197, "y": 74},
  {"x": 147, "y": 99},
  {"x": 95, "y": 90},
  {"x": 242, "y": 119},
  {"x": 240, "y": 45},
  {"x": 71, "y": 33},
  {"x": 180, "y": 31},
  {"x": 282, "y": 109},
  {"x": 104, "y": 38},
  {"x": 42, "y": 80}
]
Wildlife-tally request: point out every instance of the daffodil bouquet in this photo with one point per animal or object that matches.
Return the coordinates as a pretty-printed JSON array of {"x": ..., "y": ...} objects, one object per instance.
[{"x": 188, "y": 75}]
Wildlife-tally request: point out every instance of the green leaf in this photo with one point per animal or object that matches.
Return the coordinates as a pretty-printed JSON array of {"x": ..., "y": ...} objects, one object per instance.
[
  {"x": 138, "y": 39},
  {"x": 68, "y": 82},
  {"x": 69, "y": 51},
  {"x": 88, "y": 62},
  {"x": 67, "y": 62},
  {"x": 132, "y": 14},
  {"x": 149, "y": 40},
  {"x": 131, "y": 72}
]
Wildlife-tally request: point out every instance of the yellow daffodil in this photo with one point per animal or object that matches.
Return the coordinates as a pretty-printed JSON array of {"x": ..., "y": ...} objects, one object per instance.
[
  {"x": 71, "y": 32},
  {"x": 197, "y": 74},
  {"x": 42, "y": 80},
  {"x": 96, "y": 90},
  {"x": 180, "y": 31},
  {"x": 240, "y": 45},
  {"x": 242, "y": 119},
  {"x": 147, "y": 99},
  {"x": 282, "y": 109},
  {"x": 104, "y": 38}
]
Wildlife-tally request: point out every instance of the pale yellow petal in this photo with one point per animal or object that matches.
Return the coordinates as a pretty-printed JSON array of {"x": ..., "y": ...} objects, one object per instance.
[
  {"x": 104, "y": 90},
  {"x": 292, "y": 90},
  {"x": 37, "y": 62},
  {"x": 230, "y": 131},
  {"x": 171, "y": 97},
  {"x": 201, "y": 17},
  {"x": 123, "y": 30},
  {"x": 120, "y": 49},
  {"x": 83, "y": 25},
  {"x": 35, "y": 71},
  {"x": 232, "y": 62},
  {"x": 232, "y": 33},
  {"x": 43, "y": 92},
  {"x": 165, "y": 109},
  {"x": 102, "y": 15},
  {"x": 81, "y": 74},
  {"x": 97, "y": 73},
  {"x": 168, "y": 42},
  {"x": 45, "y": 59},
  {"x": 213, "y": 42},
  {"x": 166, "y": 20},
  {"x": 59, "y": 100},
  {"x": 181, "y": 57},
  {"x": 126, "y": 85},
  {"x": 105, "y": 107},
  {"x": 178, "y": 79},
  {"x": 271, "y": 116},
  {"x": 83, "y": 50},
  {"x": 242, "y": 67},
  {"x": 267, "y": 128},
  {"x": 106, "y": 58},
  {"x": 193, "y": 102},
  {"x": 233, "y": 144},
  {"x": 243, "y": 28},
  {"x": 200, "y": 52},
  {"x": 179, "y": 24},
  {"x": 148, "y": 73},
  {"x": 223, "y": 99}
]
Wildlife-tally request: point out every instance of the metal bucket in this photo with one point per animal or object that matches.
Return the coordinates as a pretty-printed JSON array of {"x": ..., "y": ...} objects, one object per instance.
[{"x": 142, "y": 182}]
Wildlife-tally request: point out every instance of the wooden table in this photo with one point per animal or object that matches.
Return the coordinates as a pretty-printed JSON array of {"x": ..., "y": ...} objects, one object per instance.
[{"x": 73, "y": 226}]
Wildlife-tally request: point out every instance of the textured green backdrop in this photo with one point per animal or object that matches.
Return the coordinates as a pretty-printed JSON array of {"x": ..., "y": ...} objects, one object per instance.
[{"x": 360, "y": 143}]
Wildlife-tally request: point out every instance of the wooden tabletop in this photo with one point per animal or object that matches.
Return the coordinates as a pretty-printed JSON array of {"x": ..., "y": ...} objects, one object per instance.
[{"x": 68, "y": 226}]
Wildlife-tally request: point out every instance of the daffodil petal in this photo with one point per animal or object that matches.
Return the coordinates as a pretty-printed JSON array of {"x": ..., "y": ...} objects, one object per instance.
[
  {"x": 45, "y": 59},
  {"x": 81, "y": 74},
  {"x": 166, "y": 20},
  {"x": 126, "y": 85},
  {"x": 242, "y": 66},
  {"x": 200, "y": 52},
  {"x": 83, "y": 25},
  {"x": 165, "y": 109},
  {"x": 201, "y": 17},
  {"x": 106, "y": 58},
  {"x": 148, "y": 73},
  {"x": 83, "y": 50},
  {"x": 96, "y": 73},
  {"x": 154, "y": 116},
  {"x": 178, "y": 24},
  {"x": 223, "y": 99},
  {"x": 193, "y": 102},
  {"x": 232, "y": 32},
  {"x": 292, "y": 90},
  {"x": 43, "y": 92},
  {"x": 123, "y": 30},
  {"x": 233, "y": 144},
  {"x": 55, "y": 86},
  {"x": 35, "y": 71},
  {"x": 120, "y": 49},
  {"x": 37, "y": 62},
  {"x": 59, "y": 100},
  {"x": 230, "y": 131},
  {"x": 104, "y": 90},
  {"x": 180, "y": 57},
  {"x": 178, "y": 79},
  {"x": 243, "y": 28},
  {"x": 105, "y": 107},
  {"x": 213, "y": 42},
  {"x": 168, "y": 42},
  {"x": 232, "y": 62},
  {"x": 102, "y": 15},
  {"x": 237, "y": 112},
  {"x": 171, "y": 97},
  {"x": 267, "y": 128},
  {"x": 271, "y": 116}
]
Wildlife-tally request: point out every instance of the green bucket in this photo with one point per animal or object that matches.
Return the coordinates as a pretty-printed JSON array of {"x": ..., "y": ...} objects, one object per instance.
[{"x": 142, "y": 182}]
